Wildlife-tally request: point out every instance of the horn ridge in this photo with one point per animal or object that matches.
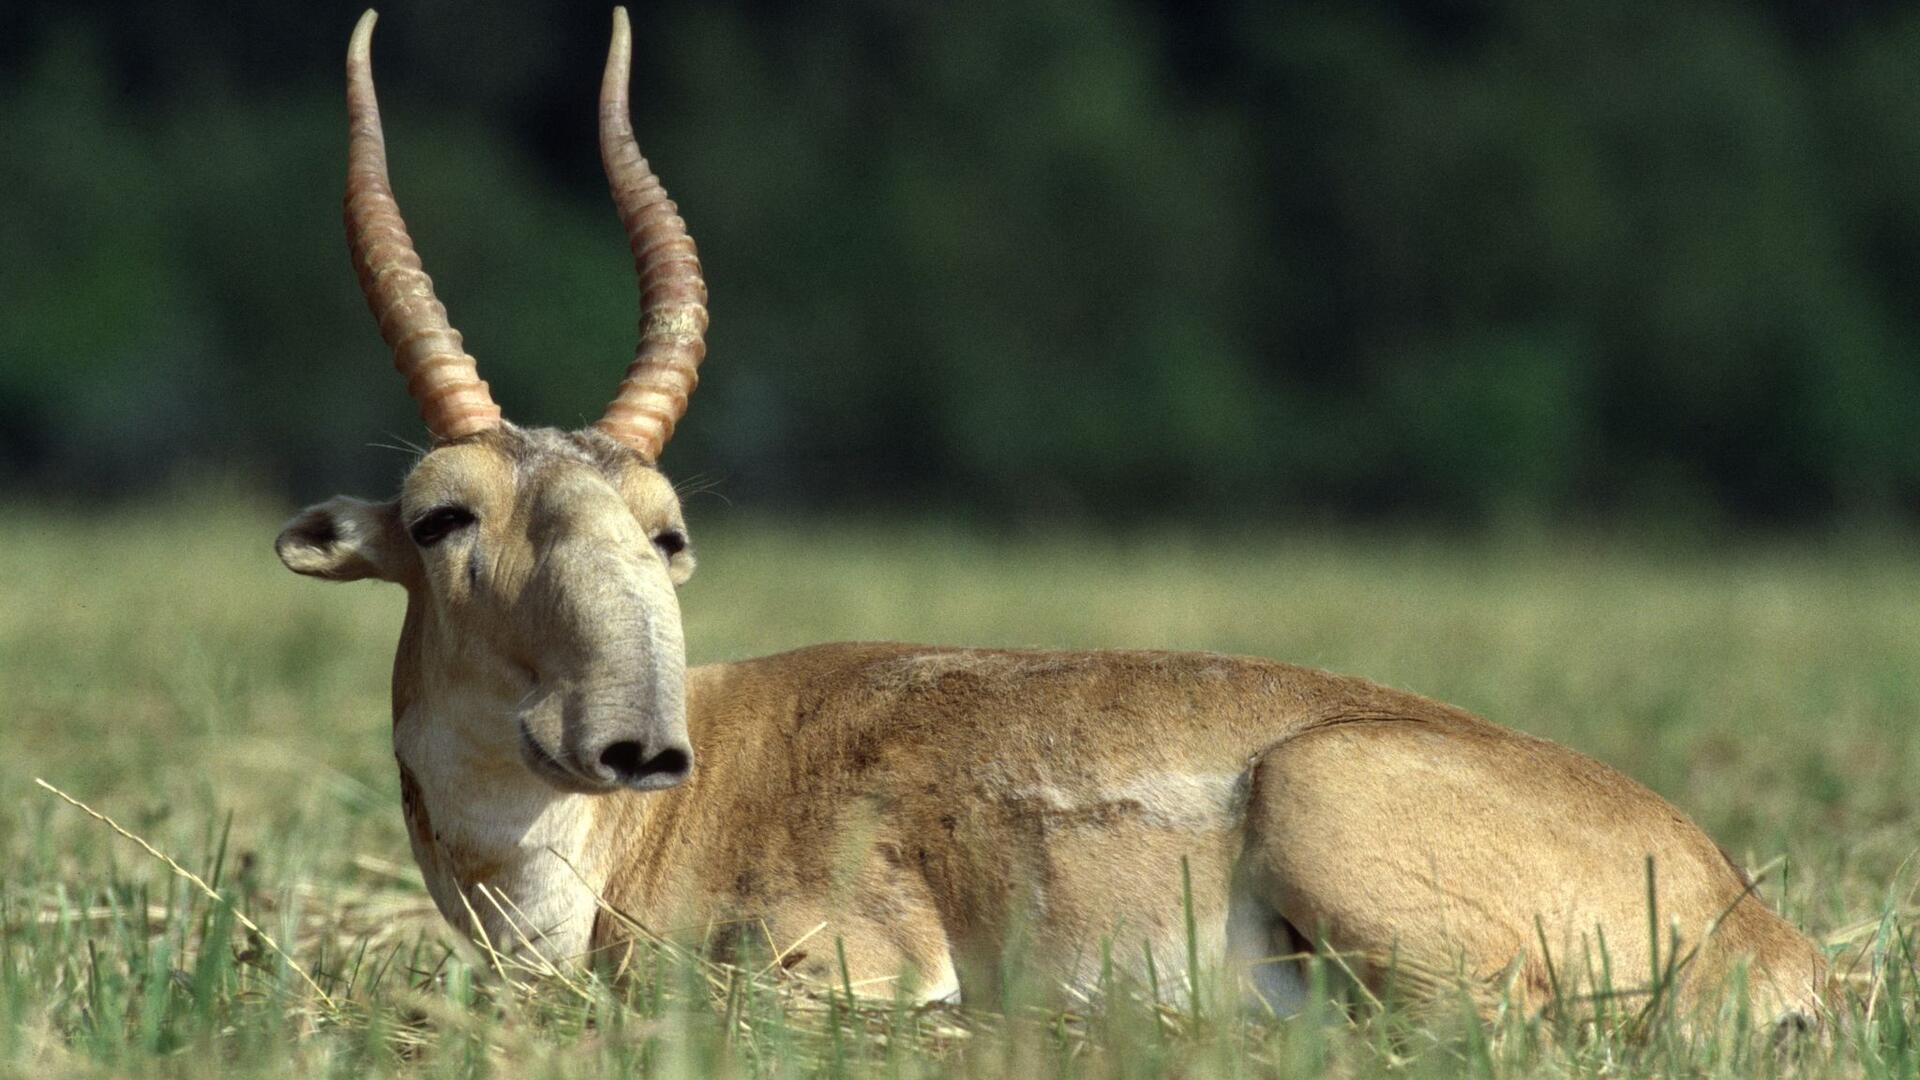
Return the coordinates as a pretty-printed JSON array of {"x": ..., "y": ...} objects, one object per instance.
[
  {"x": 427, "y": 350},
  {"x": 673, "y": 294}
]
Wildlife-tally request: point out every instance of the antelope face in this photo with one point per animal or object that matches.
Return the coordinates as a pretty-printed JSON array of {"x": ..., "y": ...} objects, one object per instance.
[
  {"x": 540, "y": 566},
  {"x": 542, "y": 623}
]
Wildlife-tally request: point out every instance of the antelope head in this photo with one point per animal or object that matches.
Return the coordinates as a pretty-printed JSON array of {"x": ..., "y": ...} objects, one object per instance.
[{"x": 542, "y": 628}]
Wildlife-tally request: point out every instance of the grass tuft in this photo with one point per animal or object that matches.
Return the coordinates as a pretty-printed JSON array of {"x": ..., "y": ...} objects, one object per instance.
[{"x": 230, "y": 720}]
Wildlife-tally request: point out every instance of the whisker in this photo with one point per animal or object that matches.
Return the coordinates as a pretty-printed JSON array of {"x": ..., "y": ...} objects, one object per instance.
[
  {"x": 701, "y": 484},
  {"x": 400, "y": 444}
]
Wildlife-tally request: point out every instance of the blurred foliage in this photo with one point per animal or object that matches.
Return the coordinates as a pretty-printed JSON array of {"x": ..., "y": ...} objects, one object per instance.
[{"x": 1454, "y": 259}]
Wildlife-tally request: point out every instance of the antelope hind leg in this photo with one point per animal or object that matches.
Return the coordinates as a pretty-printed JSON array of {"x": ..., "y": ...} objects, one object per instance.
[{"x": 1440, "y": 854}]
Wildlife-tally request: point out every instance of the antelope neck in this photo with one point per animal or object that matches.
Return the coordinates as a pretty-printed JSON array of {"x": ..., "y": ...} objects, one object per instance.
[{"x": 494, "y": 841}]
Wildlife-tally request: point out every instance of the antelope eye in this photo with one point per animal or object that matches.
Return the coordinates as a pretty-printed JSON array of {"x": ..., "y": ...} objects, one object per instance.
[
  {"x": 434, "y": 526},
  {"x": 671, "y": 542}
]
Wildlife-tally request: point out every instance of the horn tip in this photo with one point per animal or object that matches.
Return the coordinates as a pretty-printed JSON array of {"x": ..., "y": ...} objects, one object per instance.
[
  {"x": 622, "y": 29},
  {"x": 362, "y": 41},
  {"x": 613, "y": 82}
]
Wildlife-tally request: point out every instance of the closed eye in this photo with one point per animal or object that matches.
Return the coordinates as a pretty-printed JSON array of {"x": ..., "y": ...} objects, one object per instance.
[
  {"x": 438, "y": 523},
  {"x": 671, "y": 542}
]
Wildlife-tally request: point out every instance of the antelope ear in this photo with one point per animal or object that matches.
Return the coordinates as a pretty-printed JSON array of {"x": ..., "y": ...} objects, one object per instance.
[{"x": 346, "y": 539}]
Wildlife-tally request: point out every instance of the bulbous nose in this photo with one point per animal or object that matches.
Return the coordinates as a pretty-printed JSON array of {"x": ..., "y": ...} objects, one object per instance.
[{"x": 643, "y": 766}]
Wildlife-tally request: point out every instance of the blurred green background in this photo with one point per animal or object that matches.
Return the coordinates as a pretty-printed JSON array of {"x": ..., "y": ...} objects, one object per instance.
[
  {"x": 1011, "y": 260},
  {"x": 1344, "y": 333}
]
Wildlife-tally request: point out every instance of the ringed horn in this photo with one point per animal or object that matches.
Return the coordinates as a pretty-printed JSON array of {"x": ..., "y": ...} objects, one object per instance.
[
  {"x": 428, "y": 351},
  {"x": 673, "y": 295}
]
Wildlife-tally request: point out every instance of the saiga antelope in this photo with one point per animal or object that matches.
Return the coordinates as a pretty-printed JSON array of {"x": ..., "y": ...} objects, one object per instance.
[{"x": 935, "y": 808}]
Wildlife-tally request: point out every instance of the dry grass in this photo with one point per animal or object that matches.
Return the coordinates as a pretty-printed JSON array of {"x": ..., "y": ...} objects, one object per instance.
[{"x": 159, "y": 665}]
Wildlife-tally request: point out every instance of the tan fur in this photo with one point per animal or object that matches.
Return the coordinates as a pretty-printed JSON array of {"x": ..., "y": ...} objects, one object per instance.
[{"x": 936, "y": 811}]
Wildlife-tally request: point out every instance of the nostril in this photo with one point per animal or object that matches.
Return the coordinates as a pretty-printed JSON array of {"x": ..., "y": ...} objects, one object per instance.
[
  {"x": 631, "y": 765},
  {"x": 671, "y": 764},
  {"x": 623, "y": 758}
]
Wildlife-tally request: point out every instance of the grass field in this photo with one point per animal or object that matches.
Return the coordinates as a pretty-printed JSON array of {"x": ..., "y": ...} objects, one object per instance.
[{"x": 161, "y": 666}]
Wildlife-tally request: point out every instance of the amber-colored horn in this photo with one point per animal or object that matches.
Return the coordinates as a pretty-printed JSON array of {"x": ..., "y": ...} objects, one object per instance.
[
  {"x": 673, "y": 295},
  {"x": 426, "y": 348}
]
